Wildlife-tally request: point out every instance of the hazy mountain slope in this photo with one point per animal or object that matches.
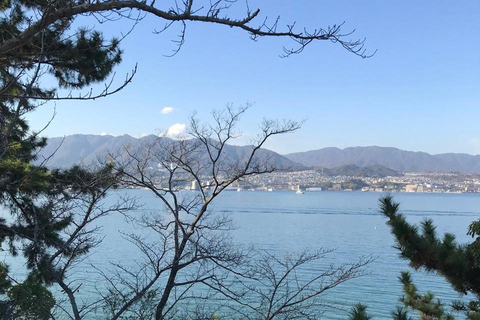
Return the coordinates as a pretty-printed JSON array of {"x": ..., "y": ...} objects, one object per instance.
[
  {"x": 393, "y": 158},
  {"x": 65, "y": 151},
  {"x": 115, "y": 146},
  {"x": 240, "y": 154},
  {"x": 90, "y": 149},
  {"x": 375, "y": 171},
  {"x": 462, "y": 161}
]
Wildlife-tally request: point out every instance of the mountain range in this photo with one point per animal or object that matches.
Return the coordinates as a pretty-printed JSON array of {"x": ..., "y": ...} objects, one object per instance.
[
  {"x": 93, "y": 149},
  {"x": 89, "y": 149},
  {"x": 393, "y": 158}
]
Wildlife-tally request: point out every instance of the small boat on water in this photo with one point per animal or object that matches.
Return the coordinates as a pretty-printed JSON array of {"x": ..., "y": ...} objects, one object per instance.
[{"x": 299, "y": 190}]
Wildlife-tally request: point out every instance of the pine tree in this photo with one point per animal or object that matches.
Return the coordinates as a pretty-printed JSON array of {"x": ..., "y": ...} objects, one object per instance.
[
  {"x": 27, "y": 190},
  {"x": 459, "y": 264},
  {"x": 400, "y": 314},
  {"x": 359, "y": 312},
  {"x": 38, "y": 39}
]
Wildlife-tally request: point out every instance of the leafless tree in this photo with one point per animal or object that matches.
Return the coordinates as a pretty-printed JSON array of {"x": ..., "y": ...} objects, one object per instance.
[
  {"x": 286, "y": 288},
  {"x": 188, "y": 237},
  {"x": 189, "y": 254},
  {"x": 29, "y": 52},
  {"x": 85, "y": 206},
  {"x": 24, "y": 55},
  {"x": 180, "y": 12}
]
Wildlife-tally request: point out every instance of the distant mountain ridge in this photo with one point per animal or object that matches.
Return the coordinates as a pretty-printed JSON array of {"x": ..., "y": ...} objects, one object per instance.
[
  {"x": 88, "y": 149},
  {"x": 92, "y": 149},
  {"x": 393, "y": 158}
]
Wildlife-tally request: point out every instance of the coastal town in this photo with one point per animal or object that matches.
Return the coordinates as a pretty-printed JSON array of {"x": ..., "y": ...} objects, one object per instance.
[{"x": 314, "y": 180}]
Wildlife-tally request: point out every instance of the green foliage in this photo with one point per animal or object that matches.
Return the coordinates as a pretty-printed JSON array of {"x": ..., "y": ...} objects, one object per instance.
[
  {"x": 423, "y": 248},
  {"x": 400, "y": 314},
  {"x": 31, "y": 300},
  {"x": 37, "y": 198},
  {"x": 427, "y": 307},
  {"x": 5, "y": 282},
  {"x": 37, "y": 39},
  {"x": 74, "y": 57},
  {"x": 17, "y": 173},
  {"x": 354, "y": 184},
  {"x": 457, "y": 263},
  {"x": 359, "y": 312},
  {"x": 38, "y": 232}
]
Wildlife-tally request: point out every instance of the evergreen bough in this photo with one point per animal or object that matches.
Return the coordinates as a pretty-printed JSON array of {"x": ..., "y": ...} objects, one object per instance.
[{"x": 459, "y": 264}]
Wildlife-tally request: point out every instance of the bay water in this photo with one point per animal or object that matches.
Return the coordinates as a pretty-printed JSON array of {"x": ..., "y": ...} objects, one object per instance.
[
  {"x": 350, "y": 223},
  {"x": 283, "y": 222}
]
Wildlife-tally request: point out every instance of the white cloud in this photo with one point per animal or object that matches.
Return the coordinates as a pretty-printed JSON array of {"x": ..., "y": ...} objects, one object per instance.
[
  {"x": 167, "y": 110},
  {"x": 103, "y": 134},
  {"x": 176, "y": 130}
]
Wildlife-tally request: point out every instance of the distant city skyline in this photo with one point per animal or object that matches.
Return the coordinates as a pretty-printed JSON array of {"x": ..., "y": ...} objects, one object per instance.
[{"x": 418, "y": 93}]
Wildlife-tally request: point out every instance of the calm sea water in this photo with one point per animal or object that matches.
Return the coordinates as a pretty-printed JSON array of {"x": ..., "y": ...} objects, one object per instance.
[{"x": 349, "y": 222}]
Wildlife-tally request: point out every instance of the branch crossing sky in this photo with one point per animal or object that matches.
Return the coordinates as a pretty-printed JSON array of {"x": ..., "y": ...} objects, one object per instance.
[{"x": 420, "y": 92}]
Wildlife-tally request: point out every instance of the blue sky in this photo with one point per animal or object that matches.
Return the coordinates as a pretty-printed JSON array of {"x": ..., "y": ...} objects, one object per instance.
[{"x": 419, "y": 92}]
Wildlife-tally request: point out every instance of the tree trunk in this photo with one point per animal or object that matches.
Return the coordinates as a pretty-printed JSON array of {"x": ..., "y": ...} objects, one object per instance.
[{"x": 166, "y": 294}]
